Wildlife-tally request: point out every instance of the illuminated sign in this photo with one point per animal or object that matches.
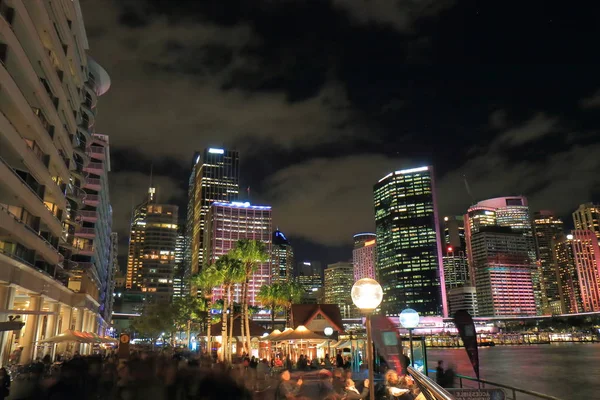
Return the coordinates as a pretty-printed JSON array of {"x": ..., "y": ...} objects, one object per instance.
[
  {"x": 240, "y": 204},
  {"x": 216, "y": 151},
  {"x": 198, "y": 159},
  {"x": 369, "y": 243},
  {"x": 570, "y": 237},
  {"x": 410, "y": 171},
  {"x": 280, "y": 234},
  {"x": 306, "y": 263}
]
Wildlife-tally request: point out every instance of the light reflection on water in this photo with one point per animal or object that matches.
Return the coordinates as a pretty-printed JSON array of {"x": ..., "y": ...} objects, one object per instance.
[{"x": 561, "y": 369}]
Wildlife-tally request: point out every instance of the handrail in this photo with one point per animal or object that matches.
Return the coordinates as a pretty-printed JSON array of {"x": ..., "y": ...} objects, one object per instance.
[
  {"x": 511, "y": 388},
  {"x": 30, "y": 229},
  {"x": 430, "y": 389}
]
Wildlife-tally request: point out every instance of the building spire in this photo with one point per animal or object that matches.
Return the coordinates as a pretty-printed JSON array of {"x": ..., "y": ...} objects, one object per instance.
[{"x": 151, "y": 188}]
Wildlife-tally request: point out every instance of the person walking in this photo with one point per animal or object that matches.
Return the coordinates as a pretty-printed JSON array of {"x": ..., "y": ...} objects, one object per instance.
[
  {"x": 286, "y": 390},
  {"x": 439, "y": 374}
]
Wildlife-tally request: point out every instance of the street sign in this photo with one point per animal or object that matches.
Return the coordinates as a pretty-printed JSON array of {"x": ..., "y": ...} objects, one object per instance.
[{"x": 479, "y": 394}]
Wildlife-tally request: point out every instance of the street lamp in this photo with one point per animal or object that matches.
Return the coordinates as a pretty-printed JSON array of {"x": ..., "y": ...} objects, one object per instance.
[
  {"x": 328, "y": 331},
  {"x": 367, "y": 295},
  {"x": 409, "y": 319}
]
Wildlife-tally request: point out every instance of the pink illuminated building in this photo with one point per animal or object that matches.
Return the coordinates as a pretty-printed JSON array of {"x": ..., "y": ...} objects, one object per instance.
[
  {"x": 229, "y": 222},
  {"x": 586, "y": 254},
  {"x": 364, "y": 255}
]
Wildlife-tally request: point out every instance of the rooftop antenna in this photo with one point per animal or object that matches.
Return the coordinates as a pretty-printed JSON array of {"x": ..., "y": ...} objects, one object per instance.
[
  {"x": 468, "y": 189},
  {"x": 151, "y": 189}
]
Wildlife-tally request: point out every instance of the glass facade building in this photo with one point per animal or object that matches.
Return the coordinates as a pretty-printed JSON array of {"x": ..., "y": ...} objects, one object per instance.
[
  {"x": 282, "y": 258},
  {"x": 547, "y": 227},
  {"x": 364, "y": 256},
  {"x": 568, "y": 278},
  {"x": 215, "y": 178},
  {"x": 337, "y": 286},
  {"x": 151, "y": 258},
  {"x": 227, "y": 223},
  {"x": 587, "y": 217},
  {"x": 409, "y": 244}
]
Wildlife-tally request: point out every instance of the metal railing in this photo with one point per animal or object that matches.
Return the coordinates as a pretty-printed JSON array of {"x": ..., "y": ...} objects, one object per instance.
[
  {"x": 512, "y": 389},
  {"x": 430, "y": 389}
]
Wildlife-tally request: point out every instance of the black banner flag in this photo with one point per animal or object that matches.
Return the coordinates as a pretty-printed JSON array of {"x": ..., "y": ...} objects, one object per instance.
[{"x": 466, "y": 328}]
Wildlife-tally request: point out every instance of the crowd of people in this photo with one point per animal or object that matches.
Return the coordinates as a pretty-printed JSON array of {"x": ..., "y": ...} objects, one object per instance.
[{"x": 178, "y": 376}]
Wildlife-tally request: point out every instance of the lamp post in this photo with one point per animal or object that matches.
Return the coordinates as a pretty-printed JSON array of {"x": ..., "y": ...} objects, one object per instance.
[
  {"x": 367, "y": 295},
  {"x": 328, "y": 332},
  {"x": 409, "y": 319}
]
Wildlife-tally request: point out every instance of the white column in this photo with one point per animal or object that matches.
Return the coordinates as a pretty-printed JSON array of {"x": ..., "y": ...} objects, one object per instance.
[
  {"x": 52, "y": 327},
  {"x": 65, "y": 324},
  {"x": 7, "y": 297},
  {"x": 31, "y": 328},
  {"x": 78, "y": 326}
]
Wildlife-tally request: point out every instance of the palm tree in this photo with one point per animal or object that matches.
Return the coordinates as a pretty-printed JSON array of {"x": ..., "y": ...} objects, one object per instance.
[
  {"x": 271, "y": 296},
  {"x": 291, "y": 294},
  {"x": 250, "y": 253},
  {"x": 206, "y": 280},
  {"x": 229, "y": 271}
]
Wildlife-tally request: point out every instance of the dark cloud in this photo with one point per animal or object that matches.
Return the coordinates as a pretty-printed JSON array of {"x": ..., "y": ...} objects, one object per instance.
[{"x": 592, "y": 101}]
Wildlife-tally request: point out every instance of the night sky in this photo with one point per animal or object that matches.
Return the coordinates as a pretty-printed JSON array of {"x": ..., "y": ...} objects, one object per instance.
[{"x": 324, "y": 97}]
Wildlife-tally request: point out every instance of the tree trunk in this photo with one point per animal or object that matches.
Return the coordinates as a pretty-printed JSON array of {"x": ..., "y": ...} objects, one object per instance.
[
  {"x": 272, "y": 317},
  {"x": 231, "y": 318},
  {"x": 242, "y": 324},
  {"x": 224, "y": 340},
  {"x": 208, "y": 329},
  {"x": 247, "y": 322}
]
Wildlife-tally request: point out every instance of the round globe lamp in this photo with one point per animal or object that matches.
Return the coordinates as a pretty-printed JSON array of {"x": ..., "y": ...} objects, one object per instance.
[
  {"x": 409, "y": 319},
  {"x": 367, "y": 295}
]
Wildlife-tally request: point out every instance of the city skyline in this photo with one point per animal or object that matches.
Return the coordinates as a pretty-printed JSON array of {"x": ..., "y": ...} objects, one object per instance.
[{"x": 293, "y": 124}]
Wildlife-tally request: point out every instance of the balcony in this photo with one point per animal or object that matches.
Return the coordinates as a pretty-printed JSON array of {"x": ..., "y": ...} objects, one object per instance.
[
  {"x": 45, "y": 124},
  {"x": 88, "y": 233},
  {"x": 76, "y": 194},
  {"x": 91, "y": 200},
  {"x": 90, "y": 216},
  {"x": 86, "y": 250},
  {"x": 95, "y": 168},
  {"x": 16, "y": 230},
  {"x": 97, "y": 152},
  {"x": 92, "y": 183},
  {"x": 28, "y": 197}
]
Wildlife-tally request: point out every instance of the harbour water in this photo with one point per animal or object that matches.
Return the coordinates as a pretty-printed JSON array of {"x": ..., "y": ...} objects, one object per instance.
[{"x": 564, "y": 370}]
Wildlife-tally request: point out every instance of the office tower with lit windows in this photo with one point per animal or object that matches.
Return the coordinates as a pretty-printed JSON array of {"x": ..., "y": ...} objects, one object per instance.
[
  {"x": 309, "y": 275},
  {"x": 226, "y": 223},
  {"x": 502, "y": 265},
  {"x": 215, "y": 178},
  {"x": 113, "y": 264},
  {"x": 337, "y": 286},
  {"x": 586, "y": 253},
  {"x": 364, "y": 255},
  {"x": 179, "y": 281},
  {"x": 587, "y": 216},
  {"x": 151, "y": 258},
  {"x": 454, "y": 231},
  {"x": 507, "y": 212},
  {"x": 456, "y": 268},
  {"x": 568, "y": 278},
  {"x": 409, "y": 243},
  {"x": 282, "y": 258},
  {"x": 546, "y": 227},
  {"x": 48, "y": 99},
  {"x": 463, "y": 298}
]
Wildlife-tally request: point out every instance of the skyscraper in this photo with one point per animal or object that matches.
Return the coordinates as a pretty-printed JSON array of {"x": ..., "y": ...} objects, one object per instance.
[
  {"x": 456, "y": 268},
  {"x": 48, "y": 100},
  {"x": 309, "y": 276},
  {"x": 454, "y": 231},
  {"x": 546, "y": 227},
  {"x": 364, "y": 255},
  {"x": 226, "y": 223},
  {"x": 215, "y": 179},
  {"x": 409, "y": 244},
  {"x": 508, "y": 212},
  {"x": 282, "y": 258},
  {"x": 502, "y": 272},
  {"x": 587, "y": 216},
  {"x": 568, "y": 278},
  {"x": 586, "y": 254},
  {"x": 151, "y": 258},
  {"x": 179, "y": 286},
  {"x": 337, "y": 287}
]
